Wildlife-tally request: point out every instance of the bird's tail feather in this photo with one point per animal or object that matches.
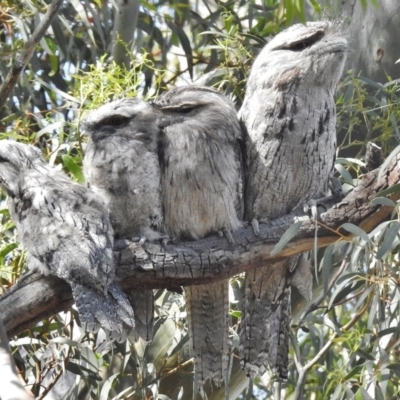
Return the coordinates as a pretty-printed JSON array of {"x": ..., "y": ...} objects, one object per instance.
[
  {"x": 264, "y": 330},
  {"x": 208, "y": 317},
  {"x": 142, "y": 302},
  {"x": 113, "y": 312}
]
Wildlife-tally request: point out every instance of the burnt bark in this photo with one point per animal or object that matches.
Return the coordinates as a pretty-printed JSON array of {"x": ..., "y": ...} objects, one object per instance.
[{"x": 36, "y": 297}]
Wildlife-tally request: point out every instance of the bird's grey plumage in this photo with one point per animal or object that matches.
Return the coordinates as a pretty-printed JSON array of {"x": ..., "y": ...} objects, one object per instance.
[
  {"x": 121, "y": 164},
  {"x": 289, "y": 114},
  {"x": 66, "y": 231},
  {"x": 201, "y": 193}
]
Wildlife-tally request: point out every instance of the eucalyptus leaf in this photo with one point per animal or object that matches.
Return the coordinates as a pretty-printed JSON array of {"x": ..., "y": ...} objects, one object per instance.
[
  {"x": 287, "y": 237},
  {"x": 355, "y": 230}
]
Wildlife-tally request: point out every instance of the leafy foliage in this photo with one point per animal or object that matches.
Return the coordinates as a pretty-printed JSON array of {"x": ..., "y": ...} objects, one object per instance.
[{"x": 347, "y": 344}]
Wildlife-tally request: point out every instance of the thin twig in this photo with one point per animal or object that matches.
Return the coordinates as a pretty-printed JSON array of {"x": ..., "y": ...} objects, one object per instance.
[{"x": 23, "y": 59}]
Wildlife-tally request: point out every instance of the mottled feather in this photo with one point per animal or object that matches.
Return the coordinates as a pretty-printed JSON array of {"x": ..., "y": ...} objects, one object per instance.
[
  {"x": 201, "y": 180},
  {"x": 66, "y": 230},
  {"x": 289, "y": 115},
  {"x": 121, "y": 164}
]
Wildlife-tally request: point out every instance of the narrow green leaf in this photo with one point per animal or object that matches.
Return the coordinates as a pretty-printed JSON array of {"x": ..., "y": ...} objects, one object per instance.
[
  {"x": 388, "y": 331},
  {"x": 389, "y": 237},
  {"x": 365, "y": 355},
  {"x": 349, "y": 161},
  {"x": 355, "y": 371},
  {"x": 73, "y": 168},
  {"x": 392, "y": 189},
  {"x": 364, "y": 393},
  {"x": 355, "y": 230},
  {"x": 235, "y": 313},
  {"x": 107, "y": 385},
  {"x": 316, "y": 6},
  {"x": 185, "y": 42},
  {"x": 383, "y": 201},
  {"x": 395, "y": 368},
  {"x": 378, "y": 392},
  {"x": 7, "y": 249},
  {"x": 163, "y": 339},
  {"x": 286, "y": 237},
  {"x": 146, "y": 24},
  {"x": 368, "y": 81},
  {"x": 342, "y": 292},
  {"x": 326, "y": 267},
  {"x": 345, "y": 174},
  {"x": 53, "y": 64}
]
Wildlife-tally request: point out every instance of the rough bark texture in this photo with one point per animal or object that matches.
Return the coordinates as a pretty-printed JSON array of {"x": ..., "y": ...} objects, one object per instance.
[{"x": 36, "y": 297}]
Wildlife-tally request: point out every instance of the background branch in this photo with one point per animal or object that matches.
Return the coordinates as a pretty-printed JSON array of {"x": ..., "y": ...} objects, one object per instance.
[{"x": 23, "y": 59}]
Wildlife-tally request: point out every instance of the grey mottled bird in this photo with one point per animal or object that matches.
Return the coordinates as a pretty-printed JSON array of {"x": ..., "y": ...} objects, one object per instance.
[
  {"x": 201, "y": 182},
  {"x": 66, "y": 231},
  {"x": 289, "y": 114},
  {"x": 121, "y": 165}
]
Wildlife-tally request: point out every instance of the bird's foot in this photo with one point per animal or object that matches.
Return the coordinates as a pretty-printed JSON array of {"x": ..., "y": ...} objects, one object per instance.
[
  {"x": 228, "y": 234},
  {"x": 256, "y": 227},
  {"x": 311, "y": 208},
  {"x": 166, "y": 240},
  {"x": 142, "y": 240}
]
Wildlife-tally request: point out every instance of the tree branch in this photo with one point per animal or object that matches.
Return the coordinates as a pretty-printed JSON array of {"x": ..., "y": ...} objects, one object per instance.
[
  {"x": 125, "y": 22},
  {"x": 23, "y": 59},
  {"x": 36, "y": 297}
]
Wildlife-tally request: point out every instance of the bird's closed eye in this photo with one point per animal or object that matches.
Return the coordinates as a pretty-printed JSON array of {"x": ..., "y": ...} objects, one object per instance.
[
  {"x": 2, "y": 159},
  {"x": 186, "y": 110},
  {"x": 115, "y": 121},
  {"x": 301, "y": 45},
  {"x": 305, "y": 43}
]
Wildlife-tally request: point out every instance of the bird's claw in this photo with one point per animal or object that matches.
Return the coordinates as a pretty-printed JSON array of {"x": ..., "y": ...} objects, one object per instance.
[
  {"x": 142, "y": 240},
  {"x": 311, "y": 208},
  {"x": 228, "y": 234},
  {"x": 166, "y": 240},
  {"x": 256, "y": 227}
]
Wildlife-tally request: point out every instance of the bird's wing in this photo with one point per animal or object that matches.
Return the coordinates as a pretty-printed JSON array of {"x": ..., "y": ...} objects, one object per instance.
[{"x": 65, "y": 226}]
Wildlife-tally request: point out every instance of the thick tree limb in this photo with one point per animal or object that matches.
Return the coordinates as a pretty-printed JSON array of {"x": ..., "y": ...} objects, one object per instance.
[
  {"x": 23, "y": 59},
  {"x": 36, "y": 297}
]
